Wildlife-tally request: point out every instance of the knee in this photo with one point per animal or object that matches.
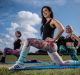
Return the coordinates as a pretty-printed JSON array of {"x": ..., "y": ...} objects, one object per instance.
[
  {"x": 53, "y": 48},
  {"x": 26, "y": 43},
  {"x": 6, "y": 49}
]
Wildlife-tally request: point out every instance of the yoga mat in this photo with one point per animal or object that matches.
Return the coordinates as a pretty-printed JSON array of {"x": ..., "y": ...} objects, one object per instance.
[{"x": 47, "y": 67}]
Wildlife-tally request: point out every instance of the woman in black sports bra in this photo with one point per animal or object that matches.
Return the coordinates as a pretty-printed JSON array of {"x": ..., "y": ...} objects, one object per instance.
[
  {"x": 70, "y": 40},
  {"x": 16, "y": 50}
]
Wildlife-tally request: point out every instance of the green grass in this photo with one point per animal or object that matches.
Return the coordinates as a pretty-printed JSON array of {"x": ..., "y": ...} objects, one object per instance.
[{"x": 4, "y": 67}]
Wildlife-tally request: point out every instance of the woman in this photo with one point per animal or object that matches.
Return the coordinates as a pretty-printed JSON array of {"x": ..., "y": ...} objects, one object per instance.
[
  {"x": 70, "y": 40},
  {"x": 48, "y": 43},
  {"x": 16, "y": 50}
]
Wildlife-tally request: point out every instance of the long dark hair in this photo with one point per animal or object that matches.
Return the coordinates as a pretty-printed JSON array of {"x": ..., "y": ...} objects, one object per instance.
[{"x": 43, "y": 18}]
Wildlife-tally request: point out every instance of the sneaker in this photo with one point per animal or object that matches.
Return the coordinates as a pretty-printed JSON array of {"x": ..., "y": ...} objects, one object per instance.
[{"x": 16, "y": 66}]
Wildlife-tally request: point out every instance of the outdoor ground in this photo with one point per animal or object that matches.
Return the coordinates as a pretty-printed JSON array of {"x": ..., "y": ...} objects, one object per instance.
[{"x": 4, "y": 67}]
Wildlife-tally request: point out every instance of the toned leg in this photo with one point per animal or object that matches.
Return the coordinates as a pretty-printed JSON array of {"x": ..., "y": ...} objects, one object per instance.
[
  {"x": 55, "y": 57},
  {"x": 26, "y": 47},
  {"x": 72, "y": 52}
]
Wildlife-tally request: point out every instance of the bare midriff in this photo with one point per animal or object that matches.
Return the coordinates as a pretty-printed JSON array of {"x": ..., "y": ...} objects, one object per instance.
[{"x": 69, "y": 44}]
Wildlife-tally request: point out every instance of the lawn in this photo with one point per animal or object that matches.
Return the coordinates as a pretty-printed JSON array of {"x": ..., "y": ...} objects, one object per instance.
[{"x": 4, "y": 67}]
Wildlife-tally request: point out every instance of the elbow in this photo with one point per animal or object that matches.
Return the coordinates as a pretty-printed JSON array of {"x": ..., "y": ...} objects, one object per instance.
[{"x": 62, "y": 30}]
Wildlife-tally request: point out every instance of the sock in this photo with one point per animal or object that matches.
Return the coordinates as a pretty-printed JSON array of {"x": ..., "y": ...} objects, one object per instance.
[{"x": 23, "y": 55}]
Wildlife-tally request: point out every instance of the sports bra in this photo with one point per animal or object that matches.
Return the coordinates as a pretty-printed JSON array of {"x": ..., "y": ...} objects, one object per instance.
[{"x": 69, "y": 39}]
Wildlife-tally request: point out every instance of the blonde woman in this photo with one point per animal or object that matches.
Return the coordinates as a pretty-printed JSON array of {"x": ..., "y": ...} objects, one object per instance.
[{"x": 70, "y": 40}]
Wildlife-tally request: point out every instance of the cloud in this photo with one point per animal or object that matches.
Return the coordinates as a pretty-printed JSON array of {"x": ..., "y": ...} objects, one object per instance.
[
  {"x": 28, "y": 18},
  {"x": 60, "y": 2},
  {"x": 42, "y": 2},
  {"x": 25, "y": 22}
]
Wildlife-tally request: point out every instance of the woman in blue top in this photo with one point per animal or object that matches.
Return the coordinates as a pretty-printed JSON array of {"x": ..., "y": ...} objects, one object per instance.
[{"x": 47, "y": 43}]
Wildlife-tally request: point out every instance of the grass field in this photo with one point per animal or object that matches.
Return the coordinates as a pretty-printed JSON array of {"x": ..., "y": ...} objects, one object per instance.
[{"x": 4, "y": 67}]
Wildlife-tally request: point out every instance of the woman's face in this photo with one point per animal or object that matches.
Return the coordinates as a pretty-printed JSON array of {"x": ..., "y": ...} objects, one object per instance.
[
  {"x": 68, "y": 30},
  {"x": 17, "y": 34},
  {"x": 46, "y": 13}
]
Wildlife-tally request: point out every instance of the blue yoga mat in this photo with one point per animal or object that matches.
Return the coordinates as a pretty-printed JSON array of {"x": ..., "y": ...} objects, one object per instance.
[{"x": 48, "y": 67}]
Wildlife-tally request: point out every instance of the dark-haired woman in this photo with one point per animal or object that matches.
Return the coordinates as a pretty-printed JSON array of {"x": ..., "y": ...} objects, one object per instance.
[
  {"x": 16, "y": 50},
  {"x": 49, "y": 24}
]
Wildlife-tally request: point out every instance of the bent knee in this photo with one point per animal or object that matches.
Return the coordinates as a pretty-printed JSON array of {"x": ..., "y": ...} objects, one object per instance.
[
  {"x": 25, "y": 42},
  {"x": 53, "y": 48}
]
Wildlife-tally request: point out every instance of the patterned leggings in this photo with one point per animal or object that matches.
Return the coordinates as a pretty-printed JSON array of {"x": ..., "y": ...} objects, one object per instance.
[
  {"x": 43, "y": 45},
  {"x": 51, "y": 49},
  {"x": 48, "y": 46}
]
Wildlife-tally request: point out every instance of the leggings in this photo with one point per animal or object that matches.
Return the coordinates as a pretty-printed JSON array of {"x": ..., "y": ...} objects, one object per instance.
[
  {"x": 51, "y": 49},
  {"x": 41, "y": 44},
  {"x": 8, "y": 51},
  {"x": 72, "y": 52}
]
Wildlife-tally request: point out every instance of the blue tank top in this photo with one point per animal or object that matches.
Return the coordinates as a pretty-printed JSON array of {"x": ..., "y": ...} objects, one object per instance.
[{"x": 48, "y": 31}]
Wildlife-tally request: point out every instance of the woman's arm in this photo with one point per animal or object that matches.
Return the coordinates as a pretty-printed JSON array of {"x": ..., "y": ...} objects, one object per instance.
[
  {"x": 60, "y": 28},
  {"x": 76, "y": 38}
]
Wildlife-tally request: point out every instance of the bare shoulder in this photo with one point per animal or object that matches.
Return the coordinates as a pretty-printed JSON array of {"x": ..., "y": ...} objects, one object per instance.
[{"x": 54, "y": 21}]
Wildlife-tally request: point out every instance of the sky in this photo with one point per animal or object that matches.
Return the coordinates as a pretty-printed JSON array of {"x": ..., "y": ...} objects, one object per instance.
[{"x": 25, "y": 15}]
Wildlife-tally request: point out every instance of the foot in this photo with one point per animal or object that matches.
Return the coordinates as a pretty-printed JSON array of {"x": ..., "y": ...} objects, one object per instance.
[{"x": 16, "y": 66}]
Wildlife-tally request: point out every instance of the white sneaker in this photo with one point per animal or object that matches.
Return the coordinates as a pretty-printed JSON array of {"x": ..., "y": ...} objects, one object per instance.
[{"x": 16, "y": 66}]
